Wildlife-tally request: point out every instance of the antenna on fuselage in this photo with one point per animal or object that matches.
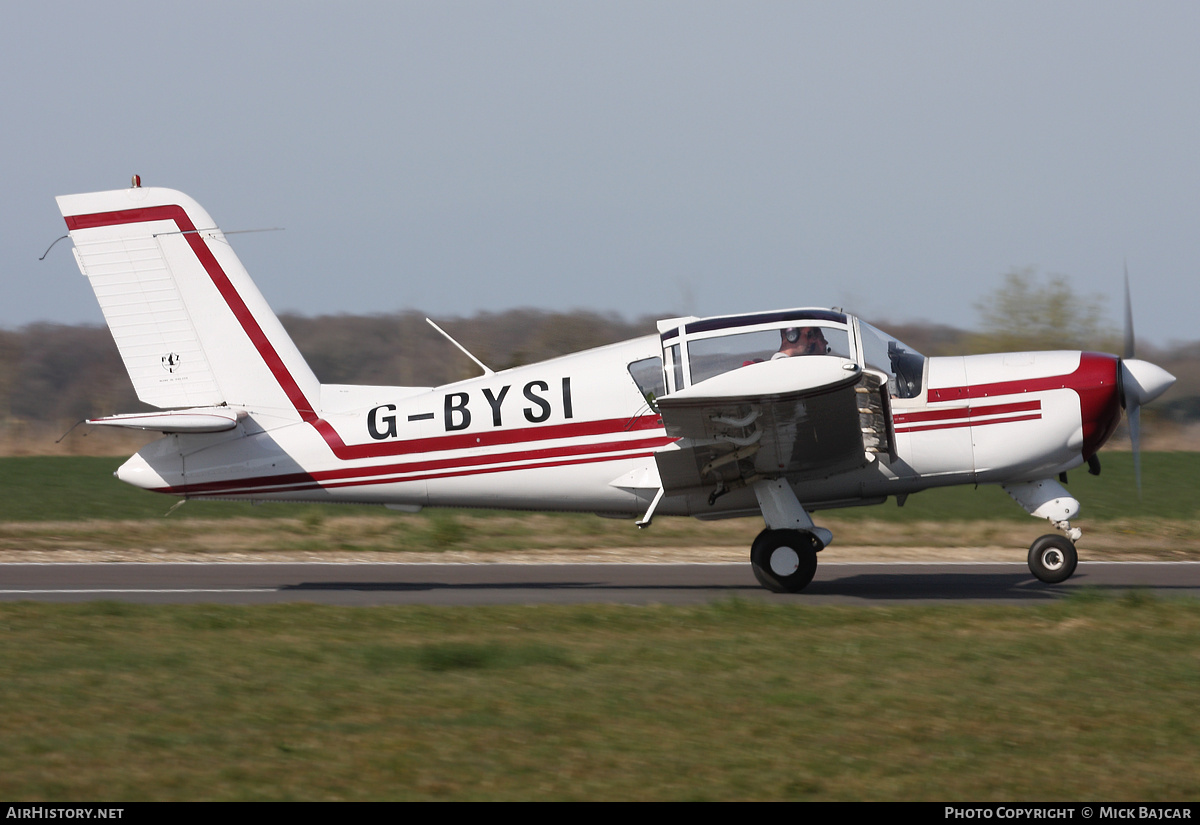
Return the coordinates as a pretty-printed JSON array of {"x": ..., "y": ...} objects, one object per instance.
[{"x": 486, "y": 369}]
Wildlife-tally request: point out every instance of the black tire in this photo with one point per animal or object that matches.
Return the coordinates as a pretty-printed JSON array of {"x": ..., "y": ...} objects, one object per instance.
[
  {"x": 1052, "y": 558},
  {"x": 794, "y": 557}
]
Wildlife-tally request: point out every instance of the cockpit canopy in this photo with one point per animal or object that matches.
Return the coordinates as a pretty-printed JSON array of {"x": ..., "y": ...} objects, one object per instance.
[{"x": 697, "y": 349}]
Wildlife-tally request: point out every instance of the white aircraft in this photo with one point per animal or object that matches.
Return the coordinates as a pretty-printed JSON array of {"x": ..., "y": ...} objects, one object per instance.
[{"x": 773, "y": 413}]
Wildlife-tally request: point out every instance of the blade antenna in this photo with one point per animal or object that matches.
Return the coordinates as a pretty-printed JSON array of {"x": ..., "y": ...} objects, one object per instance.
[{"x": 486, "y": 369}]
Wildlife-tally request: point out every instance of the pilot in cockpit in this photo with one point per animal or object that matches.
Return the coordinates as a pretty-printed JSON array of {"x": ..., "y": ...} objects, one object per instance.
[{"x": 801, "y": 341}]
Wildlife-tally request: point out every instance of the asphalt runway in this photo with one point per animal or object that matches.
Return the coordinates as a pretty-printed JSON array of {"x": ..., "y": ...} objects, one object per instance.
[{"x": 636, "y": 584}]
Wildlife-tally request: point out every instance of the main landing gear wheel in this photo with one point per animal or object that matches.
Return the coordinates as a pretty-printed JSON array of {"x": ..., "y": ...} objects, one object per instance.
[
  {"x": 1052, "y": 558},
  {"x": 785, "y": 561}
]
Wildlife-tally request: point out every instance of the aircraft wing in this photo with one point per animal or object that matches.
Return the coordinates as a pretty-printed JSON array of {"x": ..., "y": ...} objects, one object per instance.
[{"x": 799, "y": 418}]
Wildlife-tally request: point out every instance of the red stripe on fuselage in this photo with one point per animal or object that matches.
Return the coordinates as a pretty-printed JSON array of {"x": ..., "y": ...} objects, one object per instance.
[
  {"x": 339, "y": 477},
  {"x": 498, "y": 437},
  {"x": 972, "y": 423},
  {"x": 1085, "y": 376},
  {"x": 965, "y": 412},
  {"x": 1094, "y": 381},
  {"x": 242, "y": 490}
]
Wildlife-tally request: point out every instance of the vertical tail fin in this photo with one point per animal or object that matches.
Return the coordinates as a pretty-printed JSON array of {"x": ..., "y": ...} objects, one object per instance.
[{"x": 191, "y": 326}]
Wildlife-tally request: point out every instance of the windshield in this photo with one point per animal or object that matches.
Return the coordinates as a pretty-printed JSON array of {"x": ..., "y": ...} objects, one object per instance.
[{"x": 903, "y": 365}]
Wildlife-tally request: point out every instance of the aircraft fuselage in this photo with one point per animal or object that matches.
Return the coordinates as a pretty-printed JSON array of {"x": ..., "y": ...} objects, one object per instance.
[{"x": 575, "y": 433}]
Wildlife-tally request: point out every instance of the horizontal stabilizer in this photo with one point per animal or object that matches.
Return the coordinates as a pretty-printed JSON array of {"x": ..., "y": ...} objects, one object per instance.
[{"x": 210, "y": 420}]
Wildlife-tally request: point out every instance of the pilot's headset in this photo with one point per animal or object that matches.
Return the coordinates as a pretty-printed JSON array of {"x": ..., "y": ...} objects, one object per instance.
[{"x": 792, "y": 336}]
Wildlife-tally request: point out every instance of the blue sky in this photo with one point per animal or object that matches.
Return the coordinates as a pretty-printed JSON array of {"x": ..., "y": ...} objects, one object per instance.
[{"x": 633, "y": 157}]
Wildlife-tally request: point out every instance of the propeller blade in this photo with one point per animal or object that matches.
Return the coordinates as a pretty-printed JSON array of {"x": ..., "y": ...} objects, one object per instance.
[
  {"x": 1141, "y": 382},
  {"x": 1128, "y": 381},
  {"x": 1128, "y": 349},
  {"x": 1135, "y": 439}
]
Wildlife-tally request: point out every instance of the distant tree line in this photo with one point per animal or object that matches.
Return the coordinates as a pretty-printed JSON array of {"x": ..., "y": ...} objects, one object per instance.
[
  {"x": 60, "y": 374},
  {"x": 52, "y": 376}
]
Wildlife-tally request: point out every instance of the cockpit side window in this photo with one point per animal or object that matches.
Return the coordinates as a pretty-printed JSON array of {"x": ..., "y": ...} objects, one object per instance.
[
  {"x": 720, "y": 354},
  {"x": 648, "y": 375}
]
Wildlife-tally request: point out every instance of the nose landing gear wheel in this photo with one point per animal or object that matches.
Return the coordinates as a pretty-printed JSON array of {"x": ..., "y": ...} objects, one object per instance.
[
  {"x": 785, "y": 561},
  {"x": 1052, "y": 558}
]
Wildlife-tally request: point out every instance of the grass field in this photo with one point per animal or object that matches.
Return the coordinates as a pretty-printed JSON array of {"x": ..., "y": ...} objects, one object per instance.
[
  {"x": 1086, "y": 699},
  {"x": 52, "y": 488},
  {"x": 57, "y": 503},
  {"x": 1089, "y": 698}
]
